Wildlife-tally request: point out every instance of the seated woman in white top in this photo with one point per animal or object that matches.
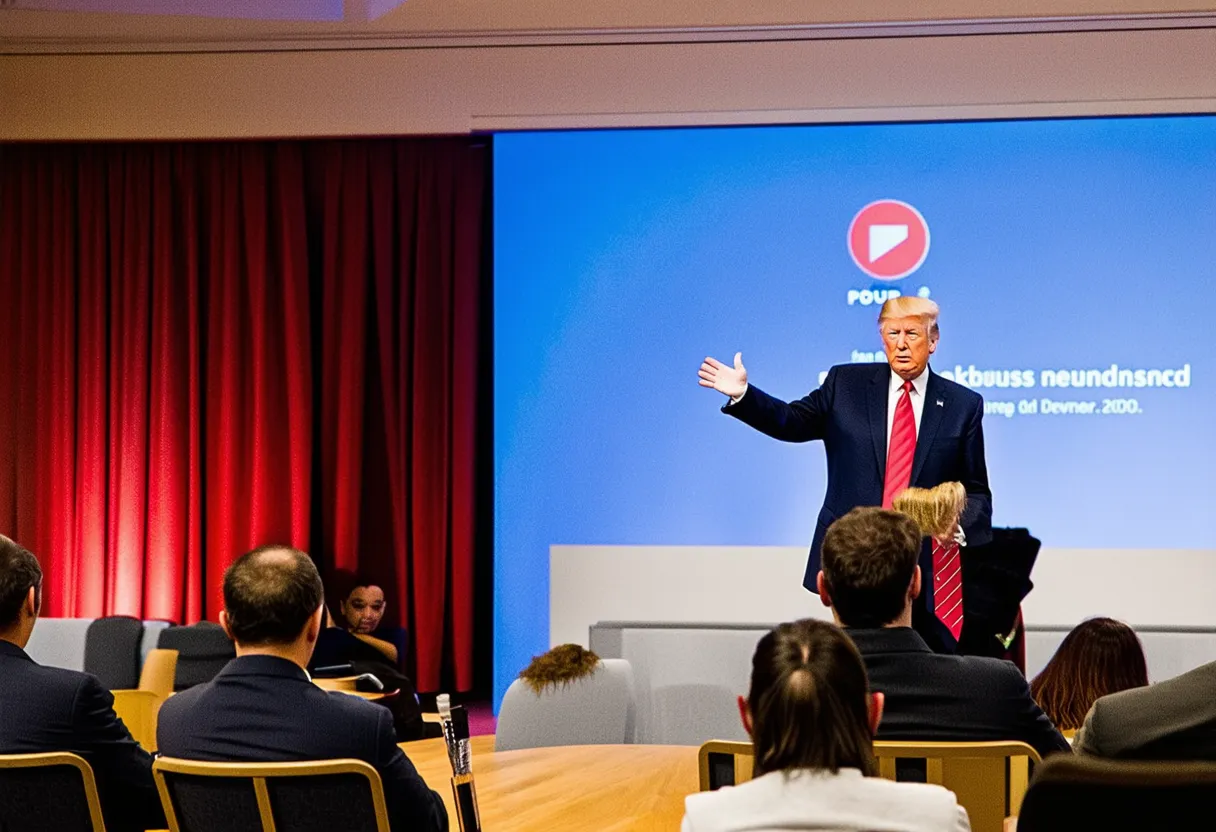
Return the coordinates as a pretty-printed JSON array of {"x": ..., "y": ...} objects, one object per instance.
[{"x": 812, "y": 721}]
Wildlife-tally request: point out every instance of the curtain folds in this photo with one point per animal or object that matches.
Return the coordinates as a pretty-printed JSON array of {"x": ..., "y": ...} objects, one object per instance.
[{"x": 211, "y": 346}]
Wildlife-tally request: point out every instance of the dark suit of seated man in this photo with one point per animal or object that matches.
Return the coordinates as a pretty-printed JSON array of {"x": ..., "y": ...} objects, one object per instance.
[
  {"x": 263, "y": 707},
  {"x": 47, "y": 709},
  {"x": 1170, "y": 720},
  {"x": 869, "y": 579}
]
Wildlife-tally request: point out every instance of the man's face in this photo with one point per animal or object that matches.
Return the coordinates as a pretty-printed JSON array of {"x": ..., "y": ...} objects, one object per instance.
[
  {"x": 908, "y": 345},
  {"x": 363, "y": 609}
]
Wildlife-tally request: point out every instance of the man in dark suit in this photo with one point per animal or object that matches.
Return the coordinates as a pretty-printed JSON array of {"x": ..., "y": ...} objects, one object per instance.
[
  {"x": 46, "y": 709},
  {"x": 869, "y": 579},
  {"x": 263, "y": 707},
  {"x": 884, "y": 427},
  {"x": 1171, "y": 720}
]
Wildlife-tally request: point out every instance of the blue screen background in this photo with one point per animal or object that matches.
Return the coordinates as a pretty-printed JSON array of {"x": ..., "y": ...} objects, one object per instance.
[{"x": 623, "y": 258}]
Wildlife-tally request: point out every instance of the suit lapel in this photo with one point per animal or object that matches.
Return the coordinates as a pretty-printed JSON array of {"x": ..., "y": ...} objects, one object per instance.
[
  {"x": 930, "y": 421},
  {"x": 877, "y": 408}
]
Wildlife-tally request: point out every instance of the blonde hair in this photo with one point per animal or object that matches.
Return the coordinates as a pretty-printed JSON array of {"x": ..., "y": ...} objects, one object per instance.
[
  {"x": 935, "y": 510},
  {"x": 910, "y": 306}
]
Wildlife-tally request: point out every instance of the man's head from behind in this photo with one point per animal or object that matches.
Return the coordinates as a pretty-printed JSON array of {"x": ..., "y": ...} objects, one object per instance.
[
  {"x": 869, "y": 574},
  {"x": 20, "y": 592},
  {"x": 273, "y": 602}
]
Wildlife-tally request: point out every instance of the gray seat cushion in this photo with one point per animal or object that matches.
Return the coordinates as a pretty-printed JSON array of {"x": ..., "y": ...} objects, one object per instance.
[
  {"x": 59, "y": 642},
  {"x": 595, "y": 710},
  {"x": 202, "y": 651}
]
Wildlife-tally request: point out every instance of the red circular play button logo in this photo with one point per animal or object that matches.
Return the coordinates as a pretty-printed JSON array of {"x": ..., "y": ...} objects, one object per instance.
[{"x": 888, "y": 239}]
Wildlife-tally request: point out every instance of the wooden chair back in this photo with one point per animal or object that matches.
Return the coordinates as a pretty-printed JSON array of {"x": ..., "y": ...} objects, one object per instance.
[
  {"x": 48, "y": 791},
  {"x": 988, "y": 778},
  {"x": 158, "y": 672},
  {"x": 138, "y": 709},
  {"x": 319, "y": 796},
  {"x": 724, "y": 763}
]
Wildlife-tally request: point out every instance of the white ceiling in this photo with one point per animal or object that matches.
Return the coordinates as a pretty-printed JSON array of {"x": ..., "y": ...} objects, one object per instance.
[{"x": 29, "y": 24}]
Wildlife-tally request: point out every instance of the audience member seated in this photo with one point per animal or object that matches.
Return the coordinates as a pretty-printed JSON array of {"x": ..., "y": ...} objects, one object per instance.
[
  {"x": 46, "y": 709},
  {"x": 1099, "y": 657},
  {"x": 361, "y": 606},
  {"x": 1170, "y": 720},
  {"x": 357, "y": 638},
  {"x": 812, "y": 722},
  {"x": 870, "y": 578},
  {"x": 263, "y": 707}
]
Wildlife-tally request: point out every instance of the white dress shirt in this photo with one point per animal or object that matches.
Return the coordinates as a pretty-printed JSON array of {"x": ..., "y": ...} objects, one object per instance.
[{"x": 819, "y": 800}]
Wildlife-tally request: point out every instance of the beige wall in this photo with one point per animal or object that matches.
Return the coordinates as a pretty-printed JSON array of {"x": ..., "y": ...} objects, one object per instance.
[
  {"x": 749, "y": 584},
  {"x": 454, "y": 90}
]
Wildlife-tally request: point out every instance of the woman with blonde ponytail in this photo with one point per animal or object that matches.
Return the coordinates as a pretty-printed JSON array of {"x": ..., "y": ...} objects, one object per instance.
[{"x": 812, "y": 720}]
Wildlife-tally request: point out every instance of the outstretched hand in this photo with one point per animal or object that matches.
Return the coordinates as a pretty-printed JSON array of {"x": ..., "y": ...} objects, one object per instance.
[{"x": 727, "y": 380}]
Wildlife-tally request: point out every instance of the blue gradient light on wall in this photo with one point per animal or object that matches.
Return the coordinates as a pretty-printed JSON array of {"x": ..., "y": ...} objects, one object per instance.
[{"x": 622, "y": 258}]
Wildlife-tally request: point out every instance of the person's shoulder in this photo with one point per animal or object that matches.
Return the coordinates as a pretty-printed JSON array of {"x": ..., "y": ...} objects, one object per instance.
[
  {"x": 723, "y": 808},
  {"x": 851, "y": 371},
  {"x": 57, "y": 684},
  {"x": 69, "y": 691},
  {"x": 1182, "y": 691},
  {"x": 183, "y": 701},
  {"x": 353, "y": 710},
  {"x": 957, "y": 390},
  {"x": 996, "y": 670},
  {"x": 783, "y": 797},
  {"x": 61, "y": 678},
  {"x": 916, "y": 799},
  {"x": 923, "y": 805},
  {"x": 979, "y": 675}
]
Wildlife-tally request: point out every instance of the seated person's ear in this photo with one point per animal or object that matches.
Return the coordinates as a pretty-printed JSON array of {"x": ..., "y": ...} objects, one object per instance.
[
  {"x": 317, "y": 622},
  {"x": 329, "y": 619},
  {"x": 821, "y": 584},
  {"x": 745, "y": 714},
  {"x": 875, "y": 704}
]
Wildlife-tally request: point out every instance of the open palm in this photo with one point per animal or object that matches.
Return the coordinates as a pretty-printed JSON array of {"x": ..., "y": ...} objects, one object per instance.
[{"x": 730, "y": 381}]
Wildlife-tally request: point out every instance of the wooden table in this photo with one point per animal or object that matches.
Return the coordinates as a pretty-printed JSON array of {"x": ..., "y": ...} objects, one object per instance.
[
  {"x": 603, "y": 787},
  {"x": 347, "y": 685}
]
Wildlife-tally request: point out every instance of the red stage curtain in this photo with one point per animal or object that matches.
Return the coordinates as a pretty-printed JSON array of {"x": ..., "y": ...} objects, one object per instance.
[{"x": 190, "y": 328}]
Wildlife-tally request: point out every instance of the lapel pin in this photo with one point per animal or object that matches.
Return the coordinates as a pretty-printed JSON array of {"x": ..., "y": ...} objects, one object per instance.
[{"x": 940, "y": 403}]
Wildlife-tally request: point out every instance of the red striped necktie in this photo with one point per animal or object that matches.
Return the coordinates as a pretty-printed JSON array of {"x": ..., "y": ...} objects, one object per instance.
[
  {"x": 901, "y": 449},
  {"x": 948, "y": 585}
]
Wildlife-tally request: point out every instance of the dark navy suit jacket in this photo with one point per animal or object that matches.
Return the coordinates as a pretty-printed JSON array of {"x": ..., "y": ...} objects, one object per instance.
[
  {"x": 264, "y": 709},
  {"x": 936, "y": 698},
  {"x": 44, "y": 709},
  {"x": 849, "y": 413}
]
